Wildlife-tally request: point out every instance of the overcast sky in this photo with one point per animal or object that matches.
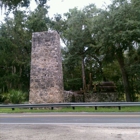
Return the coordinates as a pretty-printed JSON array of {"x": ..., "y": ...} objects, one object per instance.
[{"x": 62, "y": 6}]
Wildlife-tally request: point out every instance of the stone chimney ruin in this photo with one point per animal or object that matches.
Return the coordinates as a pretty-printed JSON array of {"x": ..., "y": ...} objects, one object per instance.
[{"x": 46, "y": 77}]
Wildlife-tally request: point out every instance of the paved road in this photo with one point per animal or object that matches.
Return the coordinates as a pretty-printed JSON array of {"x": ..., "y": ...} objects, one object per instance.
[
  {"x": 67, "y": 118},
  {"x": 70, "y": 126}
]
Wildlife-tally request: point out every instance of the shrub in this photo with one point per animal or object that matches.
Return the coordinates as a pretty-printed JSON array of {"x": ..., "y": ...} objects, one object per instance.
[{"x": 14, "y": 96}]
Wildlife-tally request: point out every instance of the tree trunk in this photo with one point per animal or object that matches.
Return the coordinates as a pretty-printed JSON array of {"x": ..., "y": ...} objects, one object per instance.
[
  {"x": 83, "y": 75},
  {"x": 125, "y": 78},
  {"x": 90, "y": 81},
  {"x": 100, "y": 67}
]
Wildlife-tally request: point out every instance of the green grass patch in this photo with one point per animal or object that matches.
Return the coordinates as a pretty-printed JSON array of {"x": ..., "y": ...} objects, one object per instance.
[{"x": 69, "y": 109}]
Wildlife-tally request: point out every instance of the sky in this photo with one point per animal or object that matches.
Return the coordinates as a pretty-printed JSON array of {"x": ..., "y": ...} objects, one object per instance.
[{"x": 63, "y": 6}]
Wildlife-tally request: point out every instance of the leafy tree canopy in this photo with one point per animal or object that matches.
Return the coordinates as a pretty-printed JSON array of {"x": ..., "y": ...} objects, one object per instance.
[{"x": 12, "y": 4}]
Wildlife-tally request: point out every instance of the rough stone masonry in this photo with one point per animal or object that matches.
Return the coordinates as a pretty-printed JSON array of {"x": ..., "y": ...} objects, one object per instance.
[{"x": 46, "y": 77}]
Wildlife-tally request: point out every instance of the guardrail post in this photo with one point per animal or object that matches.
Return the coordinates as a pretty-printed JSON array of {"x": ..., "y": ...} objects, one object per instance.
[
  {"x": 73, "y": 107},
  {"x": 95, "y": 107},
  {"x": 119, "y": 107},
  {"x": 13, "y": 108},
  {"x": 31, "y": 108},
  {"x": 51, "y": 108}
]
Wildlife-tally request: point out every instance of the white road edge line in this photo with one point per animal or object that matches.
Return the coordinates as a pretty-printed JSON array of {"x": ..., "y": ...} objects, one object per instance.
[{"x": 82, "y": 124}]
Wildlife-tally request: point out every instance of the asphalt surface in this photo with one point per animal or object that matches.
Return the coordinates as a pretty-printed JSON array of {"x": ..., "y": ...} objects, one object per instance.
[
  {"x": 70, "y": 126},
  {"x": 69, "y": 118}
]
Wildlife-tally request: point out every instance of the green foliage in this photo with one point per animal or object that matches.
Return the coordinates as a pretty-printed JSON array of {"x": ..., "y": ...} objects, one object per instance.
[
  {"x": 76, "y": 36},
  {"x": 100, "y": 45},
  {"x": 102, "y": 38},
  {"x": 37, "y": 20},
  {"x": 14, "y": 97},
  {"x": 15, "y": 53},
  {"x": 15, "y": 47},
  {"x": 72, "y": 84},
  {"x": 117, "y": 29},
  {"x": 12, "y": 4}
]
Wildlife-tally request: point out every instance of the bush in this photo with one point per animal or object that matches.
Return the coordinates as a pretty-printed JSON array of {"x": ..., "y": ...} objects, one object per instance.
[{"x": 14, "y": 96}]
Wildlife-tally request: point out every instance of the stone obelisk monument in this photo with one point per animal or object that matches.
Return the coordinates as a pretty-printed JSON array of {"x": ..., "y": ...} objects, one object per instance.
[{"x": 46, "y": 78}]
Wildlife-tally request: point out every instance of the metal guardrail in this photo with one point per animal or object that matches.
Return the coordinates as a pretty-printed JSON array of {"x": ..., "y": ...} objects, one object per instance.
[{"x": 73, "y": 105}]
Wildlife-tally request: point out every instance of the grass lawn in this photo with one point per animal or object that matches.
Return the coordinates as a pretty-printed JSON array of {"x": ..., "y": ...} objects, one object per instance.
[{"x": 69, "y": 109}]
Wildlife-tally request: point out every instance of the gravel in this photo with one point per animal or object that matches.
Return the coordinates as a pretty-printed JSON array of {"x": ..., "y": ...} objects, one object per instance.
[{"x": 68, "y": 132}]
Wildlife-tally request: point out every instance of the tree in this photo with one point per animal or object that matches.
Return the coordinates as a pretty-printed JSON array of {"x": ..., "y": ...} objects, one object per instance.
[
  {"x": 76, "y": 32},
  {"x": 12, "y": 4},
  {"x": 38, "y": 20},
  {"x": 116, "y": 29},
  {"x": 132, "y": 66},
  {"x": 15, "y": 43},
  {"x": 78, "y": 35},
  {"x": 15, "y": 47}
]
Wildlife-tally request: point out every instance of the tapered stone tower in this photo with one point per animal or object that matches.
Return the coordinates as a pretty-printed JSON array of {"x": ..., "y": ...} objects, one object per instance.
[{"x": 46, "y": 78}]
